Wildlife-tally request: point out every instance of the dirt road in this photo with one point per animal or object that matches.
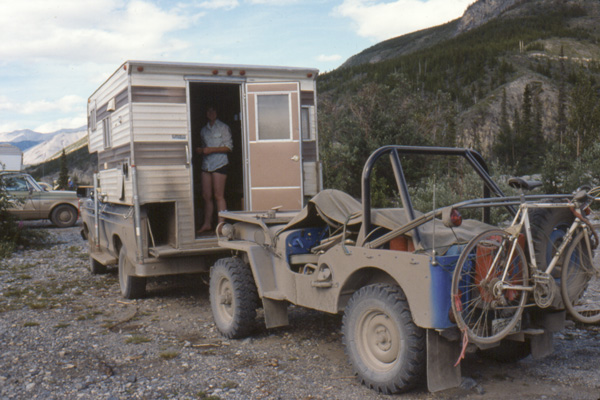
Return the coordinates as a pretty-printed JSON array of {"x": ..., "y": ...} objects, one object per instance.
[{"x": 66, "y": 334}]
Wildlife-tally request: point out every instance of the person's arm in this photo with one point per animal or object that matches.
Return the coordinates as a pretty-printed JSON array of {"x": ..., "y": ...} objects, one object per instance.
[{"x": 210, "y": 150}]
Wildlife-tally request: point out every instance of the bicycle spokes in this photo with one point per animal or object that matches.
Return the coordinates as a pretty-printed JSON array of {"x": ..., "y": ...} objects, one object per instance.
[
  {"x": 487, "y": 299},
  {"x": 581, "y": 281}
]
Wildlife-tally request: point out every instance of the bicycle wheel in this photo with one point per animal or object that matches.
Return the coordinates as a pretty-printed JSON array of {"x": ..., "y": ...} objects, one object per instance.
[
  {"x": 580, "y": 281},
  {"x": 480, "y": 305}
]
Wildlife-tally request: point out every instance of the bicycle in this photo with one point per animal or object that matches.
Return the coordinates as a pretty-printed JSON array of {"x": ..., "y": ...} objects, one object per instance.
[{"x": 491, "y": 283}]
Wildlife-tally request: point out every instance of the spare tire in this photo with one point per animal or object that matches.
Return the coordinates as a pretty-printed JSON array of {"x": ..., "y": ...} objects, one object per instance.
[{"x": 548, "y": 227}]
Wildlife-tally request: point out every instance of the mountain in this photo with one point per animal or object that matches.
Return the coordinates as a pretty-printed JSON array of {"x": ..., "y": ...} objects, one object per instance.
[
  {"x": 26, "y": 139},
  {"x": 52, "y": 148},
  {"x": 476, "y": 15},
  {"x": 517, "y": 80}
]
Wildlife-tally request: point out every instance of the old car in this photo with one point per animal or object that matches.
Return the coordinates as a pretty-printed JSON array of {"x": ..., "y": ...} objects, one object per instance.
[{"x": 29, "y": 201}]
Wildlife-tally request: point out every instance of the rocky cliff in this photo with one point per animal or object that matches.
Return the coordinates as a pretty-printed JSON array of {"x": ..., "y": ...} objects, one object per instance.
[{"x": 481, "y": 12}]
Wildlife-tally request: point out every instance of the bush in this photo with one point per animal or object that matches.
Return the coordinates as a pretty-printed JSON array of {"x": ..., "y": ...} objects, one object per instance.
[
  {"x": 8, "y": 227},
  {"x": 12, "y": 233}
]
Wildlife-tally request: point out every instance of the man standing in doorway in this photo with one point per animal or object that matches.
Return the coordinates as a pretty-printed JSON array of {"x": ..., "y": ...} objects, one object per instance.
[{"x": 216, "y": 143}]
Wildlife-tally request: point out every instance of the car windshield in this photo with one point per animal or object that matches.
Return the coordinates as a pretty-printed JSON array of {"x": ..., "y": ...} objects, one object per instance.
[{"x": 20, "y": 183}]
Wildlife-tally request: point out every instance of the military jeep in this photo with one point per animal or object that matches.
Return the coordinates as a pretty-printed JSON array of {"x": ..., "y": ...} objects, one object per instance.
[{"x": 388, "y": 270}]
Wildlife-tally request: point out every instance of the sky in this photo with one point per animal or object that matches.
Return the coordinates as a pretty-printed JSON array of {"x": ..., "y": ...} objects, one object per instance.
[{"x": 55, "y": 53}]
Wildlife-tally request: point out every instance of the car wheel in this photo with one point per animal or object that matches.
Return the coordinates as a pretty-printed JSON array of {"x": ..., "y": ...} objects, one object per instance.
[{"x": 64, "y": 216}]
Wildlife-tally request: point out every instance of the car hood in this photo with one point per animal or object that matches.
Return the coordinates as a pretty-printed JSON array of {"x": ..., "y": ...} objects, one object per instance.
[{"x": 60, "y": 194}]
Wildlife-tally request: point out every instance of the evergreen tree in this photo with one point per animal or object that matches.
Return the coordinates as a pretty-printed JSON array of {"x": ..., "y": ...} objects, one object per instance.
[
  {"x": 63, "y": 175},
  {"x": 561, "y": 115},
  {"x": 584, "y": 121},
  {"x": 504, "y": 147}
]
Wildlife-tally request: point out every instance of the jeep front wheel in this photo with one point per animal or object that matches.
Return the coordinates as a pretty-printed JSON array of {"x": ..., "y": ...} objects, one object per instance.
[
  {"x": 385, "y": 347},
  {"x": 233, "y": 297}
]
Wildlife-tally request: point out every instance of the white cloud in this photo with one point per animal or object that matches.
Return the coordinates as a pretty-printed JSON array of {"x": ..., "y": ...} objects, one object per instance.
[
  {"x": 66, "y": 104},
  {"x": 80, "y": 31},
  {"x": 329, "y": 58},
  {"x": 62, "y": 123},
  {"x": 380, "y": 20},
  {"x": 10, "y": 127},
  {"x": 273, "y": 2},
  {"x": 216, "y": 4}
]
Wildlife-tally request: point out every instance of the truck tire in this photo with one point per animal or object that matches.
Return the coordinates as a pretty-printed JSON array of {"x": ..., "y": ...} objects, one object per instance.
[
  {"x": 548, "y": 226},
  {"x": 385, "y": 347},
  {"x": 233, "y": 297},
  {"x": 64, "y": 216},
  {"x": 132, "y": 287}
]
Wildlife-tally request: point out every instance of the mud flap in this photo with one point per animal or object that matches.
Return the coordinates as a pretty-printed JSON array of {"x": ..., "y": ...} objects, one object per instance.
[
  {"x": 543, "y": 345},
  {"x": 275, "y": 313},
  {"x": 441, "y": 357}
]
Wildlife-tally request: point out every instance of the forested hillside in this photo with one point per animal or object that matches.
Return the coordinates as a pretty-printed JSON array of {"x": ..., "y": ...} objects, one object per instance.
[{"x": 523, "y": 88}]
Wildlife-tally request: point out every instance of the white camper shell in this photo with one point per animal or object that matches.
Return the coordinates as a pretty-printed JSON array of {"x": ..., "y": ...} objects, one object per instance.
[
  {"x": 11, "y": 157},
  {"x": 144, "y": 122}
]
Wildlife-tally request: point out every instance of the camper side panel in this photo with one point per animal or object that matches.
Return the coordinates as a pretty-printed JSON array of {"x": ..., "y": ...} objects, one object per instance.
[
  {"x": 160, "y": 122},
  {"x": 170, "y": 183},
  {"x": 110, "y": 97}
]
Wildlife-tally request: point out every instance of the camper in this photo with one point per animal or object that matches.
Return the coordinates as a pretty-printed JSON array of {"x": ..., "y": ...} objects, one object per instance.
[
  {"x": 11, "y": 157},
  {"x": 146, "y": 210}
]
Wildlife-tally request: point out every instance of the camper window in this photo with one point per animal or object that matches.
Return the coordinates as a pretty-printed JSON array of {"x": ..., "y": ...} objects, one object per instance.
[
  {"x": 308, "y": 122},
  {"x": 106, "y": 131},
  {"x": 93, "y": 121},
  {"x": 274, "y": 117}
]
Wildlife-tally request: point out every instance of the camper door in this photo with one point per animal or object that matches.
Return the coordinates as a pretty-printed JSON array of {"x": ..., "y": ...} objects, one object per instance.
[{"x": 274, "y": 149}]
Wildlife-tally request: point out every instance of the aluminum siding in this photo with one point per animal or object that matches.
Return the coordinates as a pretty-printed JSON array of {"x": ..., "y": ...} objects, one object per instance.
[
  {"x": 160, "y": 122},
  {"x": 170, "y": 183},
  {"x": 110, "y": 89}
]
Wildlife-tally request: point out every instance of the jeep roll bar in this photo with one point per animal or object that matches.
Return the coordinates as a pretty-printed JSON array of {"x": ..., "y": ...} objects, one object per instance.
[{"x": 395, "y": 151}]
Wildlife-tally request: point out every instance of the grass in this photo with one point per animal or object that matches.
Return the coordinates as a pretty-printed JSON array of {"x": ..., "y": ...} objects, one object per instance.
[
  {"x": 230, "y": 385},
  {"x": 203, "y": 396},
  {"x": 89, "y": 315},
  {"x": 168, "y": 355},
  {"x": 137, "y": 339}
]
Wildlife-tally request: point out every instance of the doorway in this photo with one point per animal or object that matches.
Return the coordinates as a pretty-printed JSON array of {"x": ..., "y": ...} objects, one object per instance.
[{"x": 226, "y": 98}]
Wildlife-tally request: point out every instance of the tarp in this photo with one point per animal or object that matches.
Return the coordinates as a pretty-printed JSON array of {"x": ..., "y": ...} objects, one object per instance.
[{"x": 335, "y": 207}]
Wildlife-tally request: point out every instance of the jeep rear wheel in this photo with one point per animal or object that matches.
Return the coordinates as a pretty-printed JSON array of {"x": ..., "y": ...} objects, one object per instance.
[
  {"x": 233, "y": 297},
  {"x": 64, "y": 216},
  {"x": 132, "y": 287},
  {"x": 385, "y": 347}
]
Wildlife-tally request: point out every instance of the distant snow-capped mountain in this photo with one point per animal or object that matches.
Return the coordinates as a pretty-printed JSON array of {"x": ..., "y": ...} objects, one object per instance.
[
  {"x": 23, "y": 135},
  {"x": 53, "y": 147},
  {"x": 26, "y": 138}
]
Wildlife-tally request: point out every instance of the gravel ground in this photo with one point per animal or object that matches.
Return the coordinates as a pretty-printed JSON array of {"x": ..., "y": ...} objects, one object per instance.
[{"x": 66, "y": 334}]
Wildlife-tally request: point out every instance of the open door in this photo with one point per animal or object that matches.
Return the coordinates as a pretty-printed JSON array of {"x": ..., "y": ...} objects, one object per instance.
[{"x": 274, "y": 150}]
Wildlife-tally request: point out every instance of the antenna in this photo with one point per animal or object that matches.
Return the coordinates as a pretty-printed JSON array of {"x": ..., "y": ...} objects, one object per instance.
[{"x": 433, "y": 252}]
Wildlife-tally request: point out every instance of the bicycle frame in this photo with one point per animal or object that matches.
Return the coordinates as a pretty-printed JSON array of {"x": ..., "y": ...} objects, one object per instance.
[{"x": 520, "y": 221}]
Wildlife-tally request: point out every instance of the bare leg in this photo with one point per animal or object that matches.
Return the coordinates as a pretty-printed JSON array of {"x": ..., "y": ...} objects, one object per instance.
[
  {"x": 219, "y": 181},
  {"x": 207, "y": 195}
]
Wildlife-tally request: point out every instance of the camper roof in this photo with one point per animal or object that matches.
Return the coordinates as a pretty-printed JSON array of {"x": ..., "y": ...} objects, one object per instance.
[
  {"x": 6, "y": 148},
  {"x": 223, "y": 70}
]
